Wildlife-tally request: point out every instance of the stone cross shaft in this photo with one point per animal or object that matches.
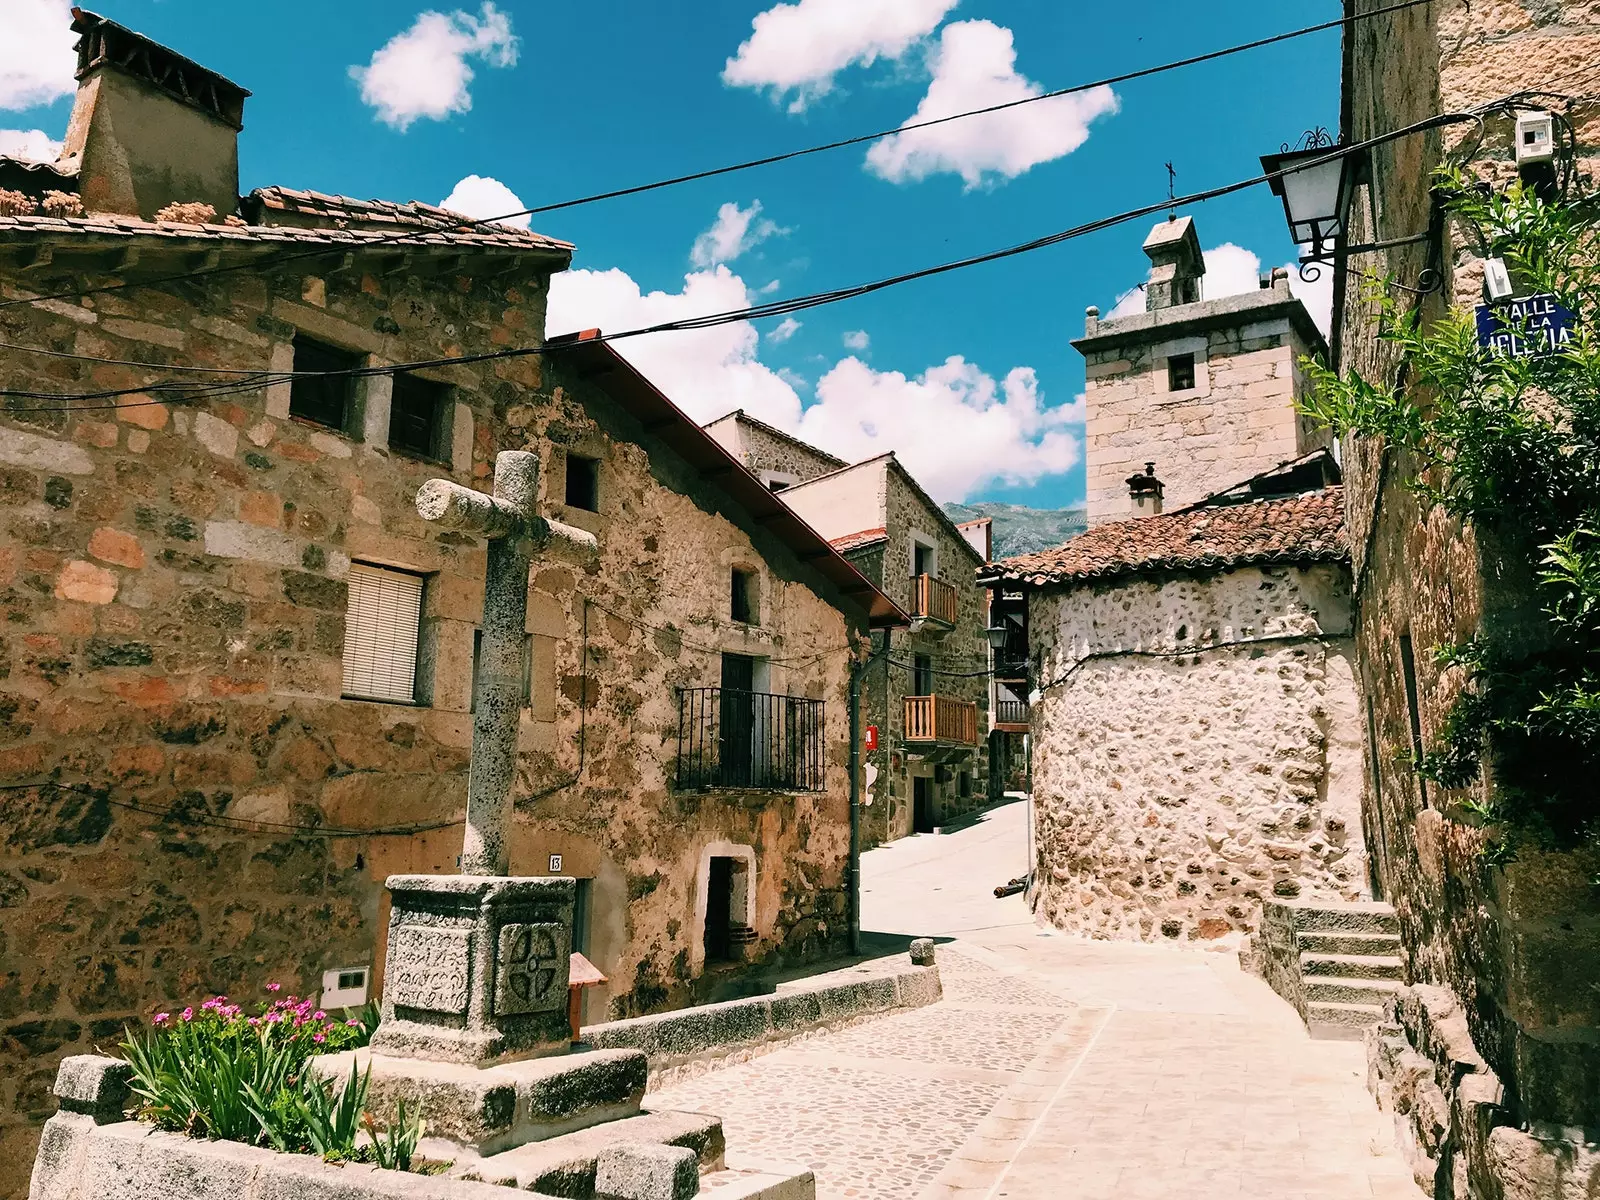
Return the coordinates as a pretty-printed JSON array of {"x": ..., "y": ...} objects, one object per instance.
[{"x": 509, "y": 520}]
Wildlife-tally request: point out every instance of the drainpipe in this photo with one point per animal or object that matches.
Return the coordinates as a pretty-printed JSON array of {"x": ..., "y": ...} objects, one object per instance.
[{"x": 857, "y": 671}]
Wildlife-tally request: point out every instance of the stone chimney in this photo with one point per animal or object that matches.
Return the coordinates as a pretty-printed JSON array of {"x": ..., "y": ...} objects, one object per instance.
[
  {"x": 149, "y": 128},
  {"x": 1146, "y": 492},
  {"x": 1176, "y": 264}
]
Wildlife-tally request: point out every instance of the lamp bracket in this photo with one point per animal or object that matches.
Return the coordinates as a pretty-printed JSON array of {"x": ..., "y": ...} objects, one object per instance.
[{"x": 1429, "y": 279}]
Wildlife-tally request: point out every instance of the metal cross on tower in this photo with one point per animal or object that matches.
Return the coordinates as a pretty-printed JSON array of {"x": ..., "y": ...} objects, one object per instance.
[{"x": 515, "y": 531}]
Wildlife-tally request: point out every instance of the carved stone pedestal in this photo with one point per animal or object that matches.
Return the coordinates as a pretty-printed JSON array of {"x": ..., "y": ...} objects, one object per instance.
[{"x": 477, "y": 968}]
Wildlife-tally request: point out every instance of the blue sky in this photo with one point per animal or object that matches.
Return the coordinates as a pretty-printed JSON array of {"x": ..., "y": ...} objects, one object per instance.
[{"x": 566, "y": 99}]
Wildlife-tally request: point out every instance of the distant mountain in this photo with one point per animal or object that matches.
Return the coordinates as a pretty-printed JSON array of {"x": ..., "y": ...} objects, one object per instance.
[{"x": 1019, "y": 530}]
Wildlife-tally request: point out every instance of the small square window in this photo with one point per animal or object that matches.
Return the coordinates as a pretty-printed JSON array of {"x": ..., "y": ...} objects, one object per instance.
[
  {"x": 744, "y": 588},
  {"x": 921, "y": 559},
  {"x": 583, "y": 483},
  {"x": 1180, "y": 373},
  {"x": 416, "y": 416},
  {"x": 323, "y": 400}
]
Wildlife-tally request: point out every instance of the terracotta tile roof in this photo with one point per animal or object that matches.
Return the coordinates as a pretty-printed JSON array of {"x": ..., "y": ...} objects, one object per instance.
[
  {"x": 365, "y": 222},
  {"x": 346, "y": 212},
  {"x": 855, "y": 541},
  {"x": 1303, "y": 528}
]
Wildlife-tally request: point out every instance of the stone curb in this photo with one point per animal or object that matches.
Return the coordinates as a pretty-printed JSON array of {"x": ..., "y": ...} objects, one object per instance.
[
  {"x": 715, "y": 1031},
  {"x": 79, "y": 1160}
]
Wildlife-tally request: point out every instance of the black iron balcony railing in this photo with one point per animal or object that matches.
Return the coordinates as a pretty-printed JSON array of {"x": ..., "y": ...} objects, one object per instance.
[{"x": 731, "y": 739}]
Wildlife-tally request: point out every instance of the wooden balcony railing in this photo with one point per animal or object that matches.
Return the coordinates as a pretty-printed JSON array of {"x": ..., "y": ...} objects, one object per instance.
[
  {"x": 941, "y": 719},
  {"x": 1011, "y": 714},
  {"x": 934, "y": 599}
]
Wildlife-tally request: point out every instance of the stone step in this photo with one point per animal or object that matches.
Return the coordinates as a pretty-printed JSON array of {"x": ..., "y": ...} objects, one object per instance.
[
  {"x": 1340, "y": 1022},
  {"x": 742, "y": 1180},
  {"x": 1350, "y": 991},
  {"x": 565, "y": 1166},
  {"x": 1349, "y": 943},
  {"x": 1354, "y": 917},
  {"x": 1352, "y": 966}
]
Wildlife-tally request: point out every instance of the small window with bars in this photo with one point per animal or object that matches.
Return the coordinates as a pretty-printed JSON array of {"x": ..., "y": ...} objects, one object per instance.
[
  {"x": 323, "y": 399},
  {"x": 417, "y": 411},
  {"x": 381, "y": 629}
]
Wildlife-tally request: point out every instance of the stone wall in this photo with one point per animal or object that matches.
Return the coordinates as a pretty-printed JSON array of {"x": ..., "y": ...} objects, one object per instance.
[
  {"x": 764, "y": 450},
  {"x": 1177, "y": 785},
  {"x": 1512, "y": 944},
  {"x": 961, "y": 650},
  {"x": 1238, "y": 419},
  {"x": 173, "y": 584}
]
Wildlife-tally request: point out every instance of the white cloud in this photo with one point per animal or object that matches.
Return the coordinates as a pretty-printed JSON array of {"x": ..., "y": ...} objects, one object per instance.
[
  {"x": 735, "y": 232},
  {"x": 786, "y": 329},
  {"x": 1232, "y": 270},
  {"x": 955, "y": 427},
  {"x": 857, "y": 340},
  {"x": 36, "y": 58},
  {"x": 423, "y": 72},
  {"x": 705, "y": 372},
  {"x": 482, "y": 197},
  {"x": 975, "y": 66},
  {"x": 798, "y": 48},
  {"x": 32, "y": 144}
]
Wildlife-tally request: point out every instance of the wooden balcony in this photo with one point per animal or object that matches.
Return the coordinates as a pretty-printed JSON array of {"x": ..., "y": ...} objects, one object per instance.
[
  {"x": 1011, "y": 716},
  {"x": 934, "y": 600},
  {"x": 941, "y": 719}
]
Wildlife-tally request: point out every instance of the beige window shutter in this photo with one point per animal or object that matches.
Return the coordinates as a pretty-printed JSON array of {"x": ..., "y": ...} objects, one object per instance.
[{"x": 380, "y": 634}]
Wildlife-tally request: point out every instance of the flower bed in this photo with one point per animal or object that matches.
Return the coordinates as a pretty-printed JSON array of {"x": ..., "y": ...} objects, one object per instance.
[{"x": 220, "y": 1073}]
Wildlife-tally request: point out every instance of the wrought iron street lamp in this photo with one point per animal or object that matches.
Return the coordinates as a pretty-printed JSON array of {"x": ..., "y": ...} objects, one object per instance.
[
  {"x": 1317, "y": 182},
  {"x": 997, "y": 635}
]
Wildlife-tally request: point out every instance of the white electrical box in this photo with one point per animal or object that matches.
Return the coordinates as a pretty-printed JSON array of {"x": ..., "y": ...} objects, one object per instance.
[
  {"x": 344, "y": 987},
  {"x": 1536, "y": 138},
  {"x": 1497, "y": 279}
]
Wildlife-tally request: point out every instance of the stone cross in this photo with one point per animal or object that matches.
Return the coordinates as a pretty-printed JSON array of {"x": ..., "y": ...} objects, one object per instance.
[{"x": 510, "y": 521}]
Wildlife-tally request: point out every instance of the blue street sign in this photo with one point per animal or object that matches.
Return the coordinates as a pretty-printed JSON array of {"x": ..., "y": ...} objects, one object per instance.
[{"x": 1533, "y": 327}]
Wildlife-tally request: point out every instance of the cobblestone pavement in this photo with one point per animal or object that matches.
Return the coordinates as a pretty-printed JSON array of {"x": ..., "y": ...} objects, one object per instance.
[{"x": 1055, "y": 1067}]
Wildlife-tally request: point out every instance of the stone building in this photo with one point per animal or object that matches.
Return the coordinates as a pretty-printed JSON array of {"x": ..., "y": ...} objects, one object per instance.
[
  {"x": 236, "y": 668},
  {"x": 1192, "y": 394},
  {"x": 1196, "y": 740},
  {"x": 1493, "y": 1066},
  {"x": 929, "y": 701}
]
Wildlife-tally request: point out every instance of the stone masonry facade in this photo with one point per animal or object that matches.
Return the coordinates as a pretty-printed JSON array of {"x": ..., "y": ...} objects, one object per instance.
[
  {"x": 1236, "y": 421},
  {"x": 173, "y": 579},
  {"x": 1174, "y": 791},
  {"x": 1503, "y": 959}
]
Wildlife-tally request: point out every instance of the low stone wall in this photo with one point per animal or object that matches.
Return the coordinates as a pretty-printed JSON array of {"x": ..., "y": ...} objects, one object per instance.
[
  {"x": 691, "y": 1040},
  {"x": 1274, "y": 954},
  {"x": 1451, "y": 1118}
]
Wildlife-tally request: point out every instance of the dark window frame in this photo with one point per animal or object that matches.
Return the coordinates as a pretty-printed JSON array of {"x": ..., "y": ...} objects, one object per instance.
[
  {"x": 1182, "y": 373},
  {"x": 582, "y": 487},
  {"x": 742, "y": 598},
  {"x": 313, "y": 400},
  {"x": 436, "y": 394}
]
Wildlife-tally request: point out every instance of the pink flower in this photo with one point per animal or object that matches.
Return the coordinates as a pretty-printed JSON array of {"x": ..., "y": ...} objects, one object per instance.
[
  {"x": 187, "y": 1014},
  {"x": 161, "y": 1018},
  {"x": 255, "y": 1020},
  {"x": 272, "y": 987},
  {"x": 353, "y": 1023},
  {"x": 319, "y": 1015},
  {"x": 319, "y": 1037}
]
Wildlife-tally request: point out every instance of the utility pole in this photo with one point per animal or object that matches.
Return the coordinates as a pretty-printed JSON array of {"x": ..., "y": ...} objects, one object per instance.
[{"x": 858, "y": 671}]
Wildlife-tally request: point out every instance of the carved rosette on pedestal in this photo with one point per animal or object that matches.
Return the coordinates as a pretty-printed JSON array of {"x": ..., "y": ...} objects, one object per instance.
[{"x": 477, "y": 968}]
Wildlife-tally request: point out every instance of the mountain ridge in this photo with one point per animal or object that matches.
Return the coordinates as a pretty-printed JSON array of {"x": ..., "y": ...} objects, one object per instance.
[{"x": 1021, "y": 530}]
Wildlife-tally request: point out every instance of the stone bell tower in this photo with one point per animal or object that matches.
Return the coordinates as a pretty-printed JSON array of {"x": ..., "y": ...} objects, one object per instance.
[{"x": 1194, "y": 393}]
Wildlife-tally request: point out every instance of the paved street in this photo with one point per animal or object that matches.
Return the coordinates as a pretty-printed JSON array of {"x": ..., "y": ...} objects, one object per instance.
[{"x": 1054, "y": 1066}]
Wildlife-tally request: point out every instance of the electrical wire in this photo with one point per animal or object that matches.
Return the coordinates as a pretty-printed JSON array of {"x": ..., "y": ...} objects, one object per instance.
[
  {"x": 754, "y": 312},
  {"x": 768, "y": 160}
]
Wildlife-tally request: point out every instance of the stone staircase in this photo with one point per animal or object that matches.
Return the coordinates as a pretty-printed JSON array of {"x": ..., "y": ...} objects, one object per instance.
[{"x": 1338, "y": 964}]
